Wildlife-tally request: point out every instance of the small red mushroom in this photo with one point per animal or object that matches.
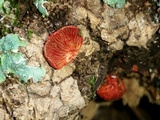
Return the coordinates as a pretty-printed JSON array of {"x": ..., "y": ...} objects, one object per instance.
[
  {"x": 62, "y": 46},
  {"x": 134, "y": 68},
  {"x": 112, "y": 88}
]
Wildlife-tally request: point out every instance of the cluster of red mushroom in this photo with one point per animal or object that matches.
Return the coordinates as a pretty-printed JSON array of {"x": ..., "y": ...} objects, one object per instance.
[{"x": 62, "y": 47}]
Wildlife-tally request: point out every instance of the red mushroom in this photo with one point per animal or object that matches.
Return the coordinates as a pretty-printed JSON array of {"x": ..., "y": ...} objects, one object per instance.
[
  {"x": 134, "y": 68},
  {"x": 62, "y": 46},
  {"x": 113, "y": 88}
]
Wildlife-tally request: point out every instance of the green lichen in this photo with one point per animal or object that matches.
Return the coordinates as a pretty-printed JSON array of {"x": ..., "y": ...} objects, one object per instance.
[
  {"x": 13, "y": 62},
  {"x": 115, "y": 3},
  {"x": 10, "y": 42},
  {"x": 41, "y": 8},
  {"x": 8, "y": 6},
  {"x": 1, "y": 5}
]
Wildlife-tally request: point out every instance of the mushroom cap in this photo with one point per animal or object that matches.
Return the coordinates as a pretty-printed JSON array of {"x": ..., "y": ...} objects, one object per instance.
[
  {"x": 113, "y": 88},
  {"x": 62, "y": 46}
]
